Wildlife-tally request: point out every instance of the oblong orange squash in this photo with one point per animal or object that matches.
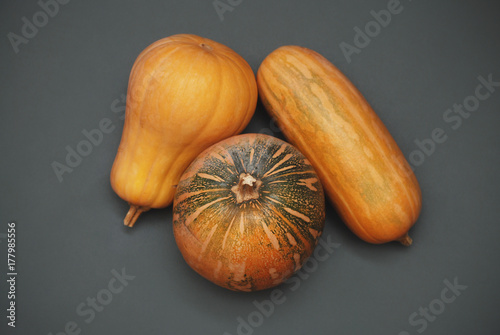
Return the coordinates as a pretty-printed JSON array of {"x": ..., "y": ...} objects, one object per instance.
[
  {"x": 248, "y": 212},
  {"x": 360, "y": 165},
  {"x": 185, "y": 93}
]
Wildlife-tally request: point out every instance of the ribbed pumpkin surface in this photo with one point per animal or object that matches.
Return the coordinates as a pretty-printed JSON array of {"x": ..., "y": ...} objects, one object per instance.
[
  {"x": 359, "y": 163},
  {"x": 248, "y": 212}
]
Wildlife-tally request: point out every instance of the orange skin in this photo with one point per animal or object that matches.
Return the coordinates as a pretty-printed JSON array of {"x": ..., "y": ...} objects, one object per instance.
[
  {"x": 360, "y": 165},
  {"x": 248, "y": 212},
  {"x": 185, "y": 93}
]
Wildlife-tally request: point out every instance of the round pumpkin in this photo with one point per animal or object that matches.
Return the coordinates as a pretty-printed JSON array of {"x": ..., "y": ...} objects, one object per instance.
[
  {"x": 248, "y": 212},
  {"x": 185, "y": 93}
]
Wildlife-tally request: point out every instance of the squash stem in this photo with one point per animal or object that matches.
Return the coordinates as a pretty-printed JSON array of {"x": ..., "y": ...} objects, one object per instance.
[
  {"x": 247, "y": 188},
  {"x": 133, "y": 214},
  {"x": 405, "y": 240}
]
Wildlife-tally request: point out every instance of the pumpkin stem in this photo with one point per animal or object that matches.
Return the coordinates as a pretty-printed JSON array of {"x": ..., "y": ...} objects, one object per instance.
[
  {"x": 206, "y": 47},
  {"x": 405, "y": 240},
  {"x": 133, "y": 215},
  {"x": 247, "y": 188}
]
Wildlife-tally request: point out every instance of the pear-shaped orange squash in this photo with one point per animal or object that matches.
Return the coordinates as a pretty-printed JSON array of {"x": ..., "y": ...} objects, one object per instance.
[{"x": 185, "y": 93}]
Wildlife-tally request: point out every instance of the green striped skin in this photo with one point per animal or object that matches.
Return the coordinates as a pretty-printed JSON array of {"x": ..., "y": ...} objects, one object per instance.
[
  {"x": 360, "y": 165},
  {"x": 257, "y": 243}
]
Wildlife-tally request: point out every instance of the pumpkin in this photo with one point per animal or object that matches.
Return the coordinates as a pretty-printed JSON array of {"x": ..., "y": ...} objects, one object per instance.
[
  {"x": 185, "y": 93},
  {"x": 248, "y": 212},
  {"x": 360, "y": 165}
]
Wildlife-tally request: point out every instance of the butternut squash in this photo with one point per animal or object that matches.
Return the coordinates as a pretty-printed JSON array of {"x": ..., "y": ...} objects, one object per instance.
[{"x": 185, "y": 93}]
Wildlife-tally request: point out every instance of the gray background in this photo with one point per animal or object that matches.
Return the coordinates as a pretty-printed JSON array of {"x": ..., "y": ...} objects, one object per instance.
[{"x": 70, "y": 234}]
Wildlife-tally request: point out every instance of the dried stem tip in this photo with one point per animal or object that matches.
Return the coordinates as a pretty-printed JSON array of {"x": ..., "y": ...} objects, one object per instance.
[
  {"x": 405, "y": 240},
  {"x": 247, "y": 188},
  {"x": 133, "y": 214}
]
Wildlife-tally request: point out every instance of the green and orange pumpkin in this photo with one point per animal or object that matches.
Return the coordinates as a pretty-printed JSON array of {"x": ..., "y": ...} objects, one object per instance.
[{"x": 248, "y": 212}]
